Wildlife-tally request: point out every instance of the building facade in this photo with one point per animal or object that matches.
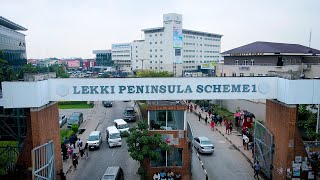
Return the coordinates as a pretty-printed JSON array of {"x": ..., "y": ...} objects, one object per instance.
[
  {"x": 172, "y": 48},
  {"x": 12, "y": 42},
  {"x": 122, "y": 56},
  {"x": 103, "y": 57},
  {"x": 261, "y": 58}
]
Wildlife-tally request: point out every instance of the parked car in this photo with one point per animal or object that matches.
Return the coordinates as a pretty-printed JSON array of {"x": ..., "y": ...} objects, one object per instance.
[
  {"x": 113, "y": 173},
  {"x": 113, "y": 136},
  {"x": 75, "y": 118},
  {"x": 203, "y": 145},
  {"x": 62, "y": 120},
  {"x": 107, "y": 103},
  {"x": 121, "y": 125},
  {"x": 94, "y": 140},
  {"x": 129, "y": 114}
]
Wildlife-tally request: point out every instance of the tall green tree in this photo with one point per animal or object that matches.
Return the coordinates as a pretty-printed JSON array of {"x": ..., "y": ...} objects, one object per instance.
[
  {"x": 142, "y": 146},
  {"x": 7, "y": 73},
  {"x": 307, "y": 120},
  {"x": 59, "y": 70}
]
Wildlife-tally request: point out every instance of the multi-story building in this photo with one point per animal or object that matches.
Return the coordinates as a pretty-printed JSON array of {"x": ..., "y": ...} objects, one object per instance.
[
  {"x": 260, "y": 58},
  {"x": 168, "y": 118},
  {"x": 12, "y": 42},
  {"x": 172, "y": 48},
  {"x": 103, "y": 57},
  {"x": 121, "y": 56}
]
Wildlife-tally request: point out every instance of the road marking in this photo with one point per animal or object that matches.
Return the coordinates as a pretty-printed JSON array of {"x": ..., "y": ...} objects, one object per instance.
[
  {"x": 222, "y": 142},
  {"x": 112, "y": 152}
]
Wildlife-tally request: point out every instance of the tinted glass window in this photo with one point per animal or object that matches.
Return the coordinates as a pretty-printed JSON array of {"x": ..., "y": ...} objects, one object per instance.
[
  {"x": 123, "y": 126},
  {"x": 108, "y": 177},
  {"x": 114, "y": 136},
  {"x": 93, "y": 138}
]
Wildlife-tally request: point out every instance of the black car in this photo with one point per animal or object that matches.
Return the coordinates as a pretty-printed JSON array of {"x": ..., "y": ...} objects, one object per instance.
[{"x": 107, "y": 103}]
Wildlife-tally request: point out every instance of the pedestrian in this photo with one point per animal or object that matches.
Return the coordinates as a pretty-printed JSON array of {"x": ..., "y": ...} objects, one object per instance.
[
  {"x": 178, "y": 176},
  {"x": 81, "y": 150},
  {"x": 227, "y": 128},
  {"x": 199, "y": 116},
  {"x": 231, "y": 126},
  {"x": 212, "y": 125},
  {"x": 64, "y": 150},
  {"x": 170, "y": 175},
  {"x": 191, "y": 108},
  {"x": 75, "y": 161},
  {"x": 86, "y": 149},
  {"x": 163, "y": 175},
  {"x": 245, "y": 142},
  {"x": 79, "y": 143},
  {"x": 209, "y": 112},
  {"x": 65, "y": 141},
  {"x": 195, "y": 107},
  {"x": 70, "y": 150},
  {"x": 257, "y": 168},
  {"x": 156, "y": 176},
  {"x": 206, "y": 120}
]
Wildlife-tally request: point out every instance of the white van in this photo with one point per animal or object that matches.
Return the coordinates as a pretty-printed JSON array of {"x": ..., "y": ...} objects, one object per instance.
[
  {"x": 94, "y": 140},
  {"x": 113, "y": 136},
  {"x": 121, "y": 125}
]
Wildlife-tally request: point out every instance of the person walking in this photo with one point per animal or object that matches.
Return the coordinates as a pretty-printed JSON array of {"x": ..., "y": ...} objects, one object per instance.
[
  {"x": 231, "y": 126},
  {"x": 212, "y": 125},
  {"x": 86, "y": 149},
  {"x": 75, "y": 161},
  {"x": 227, "y": 127},
  {"x": 199, "y": 116},
  {"x": 206, "y": 120},
  {"x": 209, "y": 112},
  {"x": 156, "y": 176},
  {"x": 257, "y": 168},
  {"x": 245, "y": 142}
]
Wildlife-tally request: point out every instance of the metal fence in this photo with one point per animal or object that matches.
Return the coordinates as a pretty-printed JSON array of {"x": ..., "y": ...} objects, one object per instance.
[
  {"x": 263, "y": 148},
  {"x": 43, "y": 162},
  {"x": 9, "y": 155}
]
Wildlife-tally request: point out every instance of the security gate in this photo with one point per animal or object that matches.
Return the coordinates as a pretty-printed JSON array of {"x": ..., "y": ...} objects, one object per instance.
[
  {"x": 263, "y": 148},
  {"x": 43, "y": 162}
]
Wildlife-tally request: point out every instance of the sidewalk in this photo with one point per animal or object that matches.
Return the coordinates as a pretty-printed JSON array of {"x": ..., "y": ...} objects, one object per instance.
[
  {"x": 234, "y": 137},
  {"x": 90, "y": 124}
]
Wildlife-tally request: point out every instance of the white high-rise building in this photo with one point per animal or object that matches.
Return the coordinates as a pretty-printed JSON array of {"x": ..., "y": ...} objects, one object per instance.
[
  {"x": 174, "y": 49},
  {"x": 121, "y": 55}
]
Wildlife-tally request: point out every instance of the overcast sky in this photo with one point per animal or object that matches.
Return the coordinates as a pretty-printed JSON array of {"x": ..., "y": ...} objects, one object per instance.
[{"x": 73, "y": 28}]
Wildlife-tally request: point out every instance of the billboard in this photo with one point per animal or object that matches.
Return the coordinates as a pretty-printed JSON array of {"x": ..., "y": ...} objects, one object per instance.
[
  {"x": 210, "y": 65},
  {"x": 177, "y": 37},
  {"x": 177, "y": 56}
]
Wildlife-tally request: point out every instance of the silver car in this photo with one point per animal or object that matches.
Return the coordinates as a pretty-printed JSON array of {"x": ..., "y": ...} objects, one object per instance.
[
  {"x": 62, "y": 120},
  {"x": 203, "y": 145}
]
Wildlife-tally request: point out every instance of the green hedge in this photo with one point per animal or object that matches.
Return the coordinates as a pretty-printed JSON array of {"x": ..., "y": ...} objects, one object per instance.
[
  {"x": 71, "y": 102},
  {"x": 65, "y": 133}
]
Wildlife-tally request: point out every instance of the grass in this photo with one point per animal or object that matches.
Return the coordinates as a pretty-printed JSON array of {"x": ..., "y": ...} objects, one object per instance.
[
  {"x": 8, "y": 143},
  {"x": 75, "y": 105}
]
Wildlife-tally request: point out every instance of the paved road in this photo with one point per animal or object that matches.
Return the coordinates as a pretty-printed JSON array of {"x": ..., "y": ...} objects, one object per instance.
[
  {"x": 98, "y": 161},
  {"x": 226, "y": 163}
]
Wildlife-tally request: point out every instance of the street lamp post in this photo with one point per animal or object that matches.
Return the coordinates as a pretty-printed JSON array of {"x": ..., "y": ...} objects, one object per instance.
[
  {"x": 317, "y": 128},
  {"x": 142, "y": 62}
]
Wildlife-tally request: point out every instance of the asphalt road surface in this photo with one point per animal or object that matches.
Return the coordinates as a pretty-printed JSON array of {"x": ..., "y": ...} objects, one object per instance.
[
  {"x": 226, "y": 163},
  {"x": 98, "y": 161}
]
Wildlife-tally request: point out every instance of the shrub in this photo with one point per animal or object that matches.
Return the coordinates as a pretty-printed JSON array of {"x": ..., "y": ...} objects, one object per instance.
[{"x": 75, "y": 128}]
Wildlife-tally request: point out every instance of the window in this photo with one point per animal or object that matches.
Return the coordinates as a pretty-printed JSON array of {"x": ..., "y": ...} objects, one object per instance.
[
  {"x": 155, "y": 50},
  {"x": 155, "y": 56},
  {"x": 160, "y": 42},
  {"x": 136, "y": 60},
  {"x": 160, "y": 34},
  {"x": 160, "y": 55},
  {"x": 160, "y": 67},
  {"x": 252, "y": 62},
  {"x": 150, "y": 62},
  {"x": 224, "y": 74},
  {"x": 234, "y": 74},
  {"x": 150, "y": 35},
  {"x": 156, "y": 42},
  {"x": 245, "y": 62},
  {"x": 136, "y": 55},
  {"x": 237, "y": 62},
  {"x": 156, "y": 68},
  {"x": 150, "y": 42},
  {"x": 241, "y": 74},
  {"x": 150, "y": 50},
  {"x": 251, "y": 74},
  {"x": 136, "y": 46},
  {"x": 260, "y": 74},
  {"x": 151, "y": 56},
  {"x": 160, "y": 61},
  {"x": 156, "y": 35},
  {"x": 150, "y": 67}
]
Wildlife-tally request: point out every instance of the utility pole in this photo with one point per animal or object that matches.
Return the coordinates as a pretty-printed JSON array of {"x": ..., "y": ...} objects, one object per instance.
[{"x": 317, "y": 127}]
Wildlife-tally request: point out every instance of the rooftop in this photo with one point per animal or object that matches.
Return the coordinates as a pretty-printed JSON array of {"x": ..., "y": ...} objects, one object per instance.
[
  {"x": 11, "y": 25},
  {"x": 166, "y": 103},
  {"x": 271, "y": 47},
  {"x": 185, "y": 31}
]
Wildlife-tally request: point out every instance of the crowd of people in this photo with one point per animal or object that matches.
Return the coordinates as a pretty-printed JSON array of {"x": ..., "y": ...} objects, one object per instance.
[
  {"x": 166, "y": 175},
  {"x": 73, "y": 148}
]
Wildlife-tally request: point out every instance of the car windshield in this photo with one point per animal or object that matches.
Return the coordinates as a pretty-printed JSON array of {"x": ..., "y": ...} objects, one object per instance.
[
  {"x": 129, "y": 111},
  {"x": 114, "y": 136},
  {"x": 108, "y": 177},
  {"x": 73, "y": 119},
  {"x": 93, "y": 138},
  {"x": 206, "y": 142},
  {"x": 123, "y": 126}
]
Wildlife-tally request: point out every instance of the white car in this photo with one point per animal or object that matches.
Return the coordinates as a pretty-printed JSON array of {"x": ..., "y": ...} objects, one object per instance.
[
  {"x": 62, "y": 120},
  {"x": 203, "y": 145},
  {"x": 121, "y": 125},
  {"x": 94, "y": 140}
]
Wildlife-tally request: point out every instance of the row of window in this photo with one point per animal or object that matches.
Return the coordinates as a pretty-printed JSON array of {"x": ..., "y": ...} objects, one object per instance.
[
  {"x": 245, "y": 62},
  {"x": 211, "y": 45},
  {"x": 242, "y": 74},
  {"x": 154, "y": 56},
  {"x": 211, "y": 52},
  {"x": 121, "y": 51},
  {"x": 121, "y": 55},
  {"x": 187, "y": 67},
  {"x": 156, "y": 35},
  {"x": 195, "y": 56},
  {"x": 156, "y": 42},
  {"x": 11, "y": 41},
  {"x": 211, "y": 39},
  {"x": 189, "y": 50}
]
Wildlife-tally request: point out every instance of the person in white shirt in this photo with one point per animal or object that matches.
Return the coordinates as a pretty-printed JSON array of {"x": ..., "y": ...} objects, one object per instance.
[{"x": 156, "y": 176}]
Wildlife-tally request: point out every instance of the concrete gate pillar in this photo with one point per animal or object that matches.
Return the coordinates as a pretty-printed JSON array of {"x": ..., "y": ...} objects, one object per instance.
[
  {"x": 42, "y": 126},
  {"x": 281, "y": 120}
]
